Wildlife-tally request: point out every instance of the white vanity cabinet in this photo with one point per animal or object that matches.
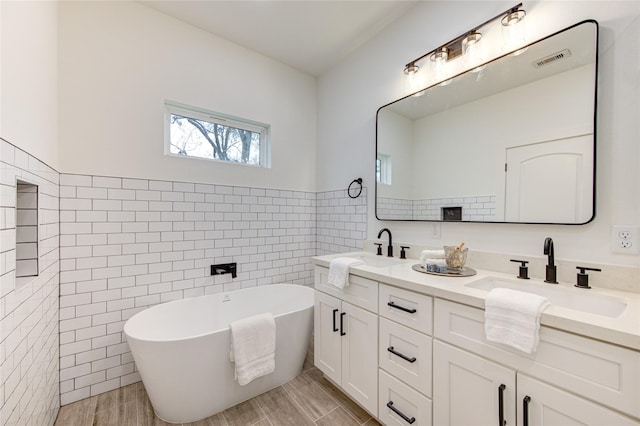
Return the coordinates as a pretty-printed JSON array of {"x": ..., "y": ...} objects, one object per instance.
[
  {"x": 569, "y": 380},
  {"x": 406, "y": 324},
  {"x": 412, "y": 358},
  {"x": 346, "y": 337}
]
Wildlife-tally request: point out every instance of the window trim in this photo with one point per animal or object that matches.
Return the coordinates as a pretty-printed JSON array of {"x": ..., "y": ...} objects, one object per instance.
[{"x": 176, "y": 108}]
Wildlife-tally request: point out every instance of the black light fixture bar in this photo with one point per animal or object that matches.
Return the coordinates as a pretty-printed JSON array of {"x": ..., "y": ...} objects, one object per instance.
[{"x": 454, "y": 46}]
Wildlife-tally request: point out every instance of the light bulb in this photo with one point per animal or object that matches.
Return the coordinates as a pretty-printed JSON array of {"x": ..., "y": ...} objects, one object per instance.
[
  {"x": 438, "y": 64},
  {"x": 472, "y": 53},
  {"x": 513, "y": 30},
  {"x": 413, "y": 80}
]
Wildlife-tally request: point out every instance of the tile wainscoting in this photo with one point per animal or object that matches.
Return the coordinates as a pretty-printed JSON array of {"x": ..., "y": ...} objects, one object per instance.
[{"x": 29, "y": 348}]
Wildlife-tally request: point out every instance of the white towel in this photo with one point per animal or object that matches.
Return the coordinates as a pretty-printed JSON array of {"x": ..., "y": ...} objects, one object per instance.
[
  {"x": 253, "y": 347},
  {"x": 339, "y": 271},
  {"x": 513, "y": 318},
  {"x": 431, "y": 254}
]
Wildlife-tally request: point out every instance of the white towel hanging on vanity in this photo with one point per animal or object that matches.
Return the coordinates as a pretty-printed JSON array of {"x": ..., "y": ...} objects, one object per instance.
[{"x": 513, "y": 318}]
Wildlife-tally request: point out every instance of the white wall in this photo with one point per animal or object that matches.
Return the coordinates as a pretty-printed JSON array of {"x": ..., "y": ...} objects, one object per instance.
[
  {"x": 350, "y": 94},
  {"x": 493, "y": 124},
  {"x": 119, "y": 62},
  {"x": 28, "y": 77},
  {"x": 398, "y": 136}
]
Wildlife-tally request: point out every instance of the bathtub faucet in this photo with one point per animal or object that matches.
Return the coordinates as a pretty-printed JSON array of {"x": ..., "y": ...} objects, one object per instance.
[{"x": 224, "y": 268}]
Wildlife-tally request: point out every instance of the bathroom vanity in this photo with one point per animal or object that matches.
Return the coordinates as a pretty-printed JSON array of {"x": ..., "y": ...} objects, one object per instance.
[{"x": 410, "y": 348}]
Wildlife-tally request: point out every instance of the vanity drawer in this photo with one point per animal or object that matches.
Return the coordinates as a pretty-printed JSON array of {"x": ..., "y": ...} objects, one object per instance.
[
  {"x": 405, "y": 400},
  {"x": 361, "y": 292},
  {"x": 411, "y": 309},
  {"x": 406, "y": 354},
  {"x": 595, "y": 370}
]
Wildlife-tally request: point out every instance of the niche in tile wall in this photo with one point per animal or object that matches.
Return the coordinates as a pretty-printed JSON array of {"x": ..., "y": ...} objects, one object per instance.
[{"x": 26, "y": 229}]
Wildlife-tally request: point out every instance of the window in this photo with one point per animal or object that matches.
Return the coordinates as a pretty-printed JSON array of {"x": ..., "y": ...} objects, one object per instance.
[
  {"x": 197, "y": 133},
  {"x": 383, "y": 169}
]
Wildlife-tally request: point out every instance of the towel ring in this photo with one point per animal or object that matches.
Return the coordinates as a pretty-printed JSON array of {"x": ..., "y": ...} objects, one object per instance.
[{"x": 359, "y": 182}]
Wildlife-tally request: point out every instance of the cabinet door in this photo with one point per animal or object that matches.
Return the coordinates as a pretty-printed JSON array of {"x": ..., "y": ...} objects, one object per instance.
[
  {"x": 327, "y": 341},
  {"x": 360, "y": 356},
  {"x": 470, "y": 390},
  {"x": 547, "y": 405}
]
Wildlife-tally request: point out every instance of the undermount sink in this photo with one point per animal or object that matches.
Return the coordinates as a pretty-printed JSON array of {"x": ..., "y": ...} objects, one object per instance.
[
  {"x": 572, "y": 298},
  {"x": 377, "y": 261}
]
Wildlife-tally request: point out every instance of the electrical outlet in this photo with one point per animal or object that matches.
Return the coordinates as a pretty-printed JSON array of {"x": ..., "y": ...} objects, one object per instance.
[{"x": 625, "y": 239}]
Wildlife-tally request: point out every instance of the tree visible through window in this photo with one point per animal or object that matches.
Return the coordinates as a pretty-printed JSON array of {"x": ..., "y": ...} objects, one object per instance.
[{"x": 196, "y": 133}]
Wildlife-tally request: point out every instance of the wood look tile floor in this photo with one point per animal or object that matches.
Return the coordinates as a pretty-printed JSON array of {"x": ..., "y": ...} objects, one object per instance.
[{"x": 309, "y": 399}]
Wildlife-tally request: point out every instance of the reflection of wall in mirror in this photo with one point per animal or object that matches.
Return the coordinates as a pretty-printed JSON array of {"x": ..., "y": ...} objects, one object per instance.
[
  {"x": 468, "y": 157},
  {"x": 395, "y": 140}
]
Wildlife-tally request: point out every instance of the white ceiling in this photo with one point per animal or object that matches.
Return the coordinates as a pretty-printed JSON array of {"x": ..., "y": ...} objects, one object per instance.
[{"x": 311, "y": 36}]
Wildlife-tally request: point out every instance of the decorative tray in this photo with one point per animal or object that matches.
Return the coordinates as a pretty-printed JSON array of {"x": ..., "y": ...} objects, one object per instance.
[{"x": 464, "y": 272}]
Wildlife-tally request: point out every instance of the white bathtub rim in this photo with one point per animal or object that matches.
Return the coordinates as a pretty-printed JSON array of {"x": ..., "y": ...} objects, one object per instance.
[{"x": 217, "y": 330}]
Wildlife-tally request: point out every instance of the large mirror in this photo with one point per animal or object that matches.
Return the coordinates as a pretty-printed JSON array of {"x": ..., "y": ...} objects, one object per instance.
[{"x": 514, "y": 142}]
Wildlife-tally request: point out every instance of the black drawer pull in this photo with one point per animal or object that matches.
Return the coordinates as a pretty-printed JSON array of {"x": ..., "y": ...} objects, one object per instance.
[
  {"x": 501, "y": 421},
  {"x": 402, "y": 308},
  {"x": 525, "y": 410},
  {"x": 403, "y": 356},
  {"x": 400, "y": 413},
  {"x": 335, "y": 327},
  {"x": 342, "y": 333}
]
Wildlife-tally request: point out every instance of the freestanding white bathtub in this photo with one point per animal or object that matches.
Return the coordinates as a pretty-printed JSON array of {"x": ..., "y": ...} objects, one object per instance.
[{"x": 181, "y": 348}]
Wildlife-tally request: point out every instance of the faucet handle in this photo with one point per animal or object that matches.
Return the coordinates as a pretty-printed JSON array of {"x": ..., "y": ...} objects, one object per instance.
[
  {"x": 523, "y": 272},
  {"x": 583, "y": 278},
  {"x": 379, "y": 251},
  {"x": 403, "y": 253}
]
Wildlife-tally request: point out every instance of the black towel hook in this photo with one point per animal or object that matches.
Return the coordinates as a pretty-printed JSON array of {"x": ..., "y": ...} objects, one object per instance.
[{"x": 359, "y": 182}]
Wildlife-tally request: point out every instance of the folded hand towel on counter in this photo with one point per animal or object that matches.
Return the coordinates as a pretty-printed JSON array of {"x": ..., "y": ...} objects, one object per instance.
[
  {"x": 431, "y": 254},
  {"x": 253, "y": 347},
  {"x": 513, "y": 318},
  {"x": 339, "y": 271},
  {"x": 439, "y": 262}
]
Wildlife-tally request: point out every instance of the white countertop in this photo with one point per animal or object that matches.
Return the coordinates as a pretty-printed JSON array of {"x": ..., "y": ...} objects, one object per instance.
[{"x": 623, "y": 330}]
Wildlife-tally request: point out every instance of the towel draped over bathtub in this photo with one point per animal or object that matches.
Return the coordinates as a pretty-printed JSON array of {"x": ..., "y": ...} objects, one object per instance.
[{"x": 253, "y": 347}]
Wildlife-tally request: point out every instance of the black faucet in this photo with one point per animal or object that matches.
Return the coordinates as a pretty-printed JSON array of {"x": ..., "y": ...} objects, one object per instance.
[
  {"x": 550, "y": 275},
  {"x": 390, "y": 246},
  {"x": 225, "y": 268}
]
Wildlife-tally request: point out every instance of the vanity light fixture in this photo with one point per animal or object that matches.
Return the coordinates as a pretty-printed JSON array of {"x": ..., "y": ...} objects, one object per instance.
[
  {"x": 412, "y": 81},
  {"x": 513, "y": 31},
  {"x": 438, "y": 62},
  {"x": 468, "y": 47},
  {"x": 472, "y": 53}
]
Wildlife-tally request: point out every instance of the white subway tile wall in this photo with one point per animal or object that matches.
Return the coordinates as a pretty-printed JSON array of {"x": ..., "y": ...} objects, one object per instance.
[
  {"x": 342, "y": 222},
  {"x": 479, "y": 208},
  {"x": 127, "y": 244},
  {"x": 29, "y": 347},
  {"x": 474, "y": 208},
  {"x": 395, "y": 208}
]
